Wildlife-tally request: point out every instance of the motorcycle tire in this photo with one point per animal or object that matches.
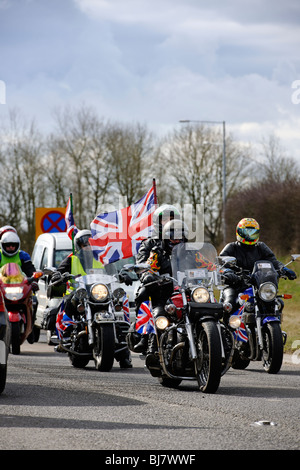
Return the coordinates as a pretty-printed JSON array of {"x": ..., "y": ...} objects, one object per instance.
[
  {"x": 79, "y": 362},
  {"x": 15, "y": 338},
  {"x": 168, "y": 382},
  {"x": 104, "y": 348},
  {"x": 3, "y": 371},
  {"x": 272, "y": 347},
  {"x": 209, "y": 361}
]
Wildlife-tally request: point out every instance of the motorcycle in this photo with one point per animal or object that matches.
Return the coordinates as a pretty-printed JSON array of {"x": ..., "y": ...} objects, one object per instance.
[
  {"x": 189, "y": 338},
  {"x": 256, "y": 325},
  {"x": 17, "y": 292},
  {"x": 98, "y": 328},
  {"x": 4, "y": 342}
]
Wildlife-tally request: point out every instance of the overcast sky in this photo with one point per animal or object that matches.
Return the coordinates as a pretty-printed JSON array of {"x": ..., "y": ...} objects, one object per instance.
[{"x": 157, "y": 62}]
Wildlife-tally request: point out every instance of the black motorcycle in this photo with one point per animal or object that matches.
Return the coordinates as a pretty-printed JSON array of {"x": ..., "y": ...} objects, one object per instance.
[
  {"x": 189, "y": 340},
  {"x": 256, "y": 324},
  {"x": 96, "y": 330}
]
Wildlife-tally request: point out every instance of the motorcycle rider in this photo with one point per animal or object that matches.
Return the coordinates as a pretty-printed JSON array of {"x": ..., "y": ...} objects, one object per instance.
[
  {"x": 247, "y": 249},
  {"x": 75, "y": 264},
  {"x": 10, "y": 253},
  {"x": 152, "y": 251},
  {"x": 173, "y": 232}
]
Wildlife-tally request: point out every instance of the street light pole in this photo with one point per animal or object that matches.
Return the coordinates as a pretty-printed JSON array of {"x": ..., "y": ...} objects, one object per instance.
[{"x": 224, "y": 196}]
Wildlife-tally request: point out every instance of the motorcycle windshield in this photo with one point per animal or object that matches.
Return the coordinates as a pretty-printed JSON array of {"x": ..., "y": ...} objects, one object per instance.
[
  {"x": 264, "y": 271},
  {"x": 195, "y": 263},
  {"x": 11, "y": 273},
  {"x": 93, "y": 272}
]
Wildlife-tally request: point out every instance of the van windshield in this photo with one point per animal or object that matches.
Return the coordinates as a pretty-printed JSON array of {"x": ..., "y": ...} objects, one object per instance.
[{"x": 59, "y": 256}]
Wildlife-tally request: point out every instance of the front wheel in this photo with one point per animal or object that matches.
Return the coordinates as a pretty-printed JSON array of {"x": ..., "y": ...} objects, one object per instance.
[
  {"x": 209, "y": 358},
  {"x": 3, "y": 370},
  {"x": 272, "y": 347},
  {"x": 15, "y": 338},
  {"x": 104, "y": 348}
]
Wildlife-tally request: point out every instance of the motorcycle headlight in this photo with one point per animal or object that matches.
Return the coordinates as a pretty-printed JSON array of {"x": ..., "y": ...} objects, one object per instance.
[
  {"x": 162, "y": 323},
  {"x": 235, "y": 322},
  {"x": 200, "y": 295},
  {"x": 80, "y": 294},
  {"x": 14, "y": 293},
  {"x": 99, "y": 292},
  {"x": 267, "y": 291}
]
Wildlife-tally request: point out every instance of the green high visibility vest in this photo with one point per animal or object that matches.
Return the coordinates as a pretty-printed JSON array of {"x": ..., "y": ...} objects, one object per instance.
[
  {"x": 76, "y": 266},
  {"x": 10, "y": 259},
  {"x": 77, "y": 269}
]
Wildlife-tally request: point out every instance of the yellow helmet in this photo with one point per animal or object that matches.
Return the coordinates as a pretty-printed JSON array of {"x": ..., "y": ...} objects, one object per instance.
[{"x": 247, "y": 231}]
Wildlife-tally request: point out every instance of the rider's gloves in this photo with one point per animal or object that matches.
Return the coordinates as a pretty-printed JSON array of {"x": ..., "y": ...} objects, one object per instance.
[
  {"x": 230, "y": 278},
  {"x": 289, "y": 273},
  {"x": 35, "y": 286},
  {"x": 147, "y": 277},
  {"x": 125, "y": 278},
  {"x": 56, "y": 276}
]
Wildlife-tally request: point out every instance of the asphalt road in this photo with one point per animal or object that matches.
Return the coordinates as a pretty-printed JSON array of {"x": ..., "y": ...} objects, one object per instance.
[{"x": 47, "y": 404}]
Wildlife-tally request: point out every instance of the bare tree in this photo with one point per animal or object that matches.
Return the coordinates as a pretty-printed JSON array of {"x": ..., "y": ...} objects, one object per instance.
[
  {"x": 193, "y": 159},
  {"x": 276, "y": 166},
  {"x": 21, "y": 179},
  {"x": 131, "y": 147}
]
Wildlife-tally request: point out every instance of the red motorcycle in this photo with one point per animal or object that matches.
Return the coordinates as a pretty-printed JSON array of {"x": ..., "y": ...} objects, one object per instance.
[{"x": 17, "y": 291}]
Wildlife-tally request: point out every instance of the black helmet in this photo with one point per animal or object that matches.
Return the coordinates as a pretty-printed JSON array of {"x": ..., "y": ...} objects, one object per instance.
[
  {"x": 82, "y": 239},
  {"x": 175, "y": 230},
  {"x": 162, "y": 215}
]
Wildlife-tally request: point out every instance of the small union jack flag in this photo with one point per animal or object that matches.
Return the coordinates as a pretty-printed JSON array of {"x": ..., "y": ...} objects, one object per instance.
[
  {"x": 118, "y": 234},
  {"x": 144, "y": 321},
  {"x": 126, "y": 311},
  {"x": 241, "y": 333},
  {"x": 71, "y": 227}
]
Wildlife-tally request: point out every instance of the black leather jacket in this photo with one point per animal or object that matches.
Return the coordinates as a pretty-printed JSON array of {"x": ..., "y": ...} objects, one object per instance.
[
  {"x": 158, "y": 294},
  {"x": 246, "y": 255},
  {"x": 164, "y": 264}
]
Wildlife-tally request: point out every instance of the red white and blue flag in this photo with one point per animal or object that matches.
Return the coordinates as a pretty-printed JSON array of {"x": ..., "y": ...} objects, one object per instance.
[
  {"x": 126, "y": 310},
  {"x": 241, "y": 333},
  {"x": 144, "y": 321},
  {"x": 71, "y": 227},
  {"x": 118, "y": 234}
]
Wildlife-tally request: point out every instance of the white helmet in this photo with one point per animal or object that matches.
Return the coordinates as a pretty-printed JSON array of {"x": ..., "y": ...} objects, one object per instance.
[
  {"x": 81, "y": 239},
  {"x": 6, "y": 228},
  {"x": 10, "y": 239}
]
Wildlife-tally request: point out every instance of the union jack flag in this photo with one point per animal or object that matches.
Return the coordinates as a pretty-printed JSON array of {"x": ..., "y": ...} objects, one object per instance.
[
  {"x": 71, "y": 227},
  {"x": 126, "y": 311},
  {"x": 144, "y": 321},
  {"x": 241, "y": 333},
  {"x": 60, "y": 328},
  {"x": 118, "y": 234}
]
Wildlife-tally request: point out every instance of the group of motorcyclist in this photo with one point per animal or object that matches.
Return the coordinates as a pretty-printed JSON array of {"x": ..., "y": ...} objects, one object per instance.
[{"x": 169, "y": 230}]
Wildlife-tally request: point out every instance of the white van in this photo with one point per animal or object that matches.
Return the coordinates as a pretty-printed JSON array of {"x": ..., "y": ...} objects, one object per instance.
[{"x": 49, "y": 250}]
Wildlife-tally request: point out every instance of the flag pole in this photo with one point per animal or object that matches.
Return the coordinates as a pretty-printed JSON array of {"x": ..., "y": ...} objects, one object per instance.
[
  {"x": 154, "y": 190},
  {"x": 71, "y": 205}
]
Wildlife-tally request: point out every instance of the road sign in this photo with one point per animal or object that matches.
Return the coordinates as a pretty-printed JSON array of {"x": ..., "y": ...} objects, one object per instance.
[{"x": 48, "y": 220}]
